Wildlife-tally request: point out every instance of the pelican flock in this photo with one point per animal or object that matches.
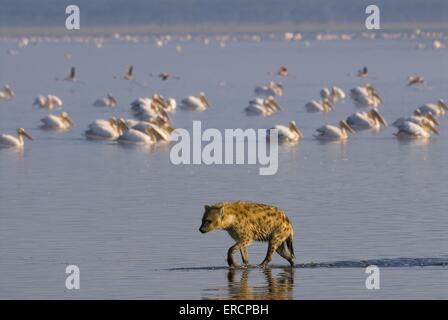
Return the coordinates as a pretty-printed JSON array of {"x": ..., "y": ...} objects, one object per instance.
[
  {"x": 411, "y": 130},
  {"x": 152, "y": 115},
  {"x": 422, "y": 125},
  {"x": 437, "y": 109},
  {"x": 417, "y": 118}
]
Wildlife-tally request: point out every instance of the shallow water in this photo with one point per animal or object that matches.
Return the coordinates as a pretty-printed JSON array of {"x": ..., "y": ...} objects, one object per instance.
[{"x": 127, "y": 216}]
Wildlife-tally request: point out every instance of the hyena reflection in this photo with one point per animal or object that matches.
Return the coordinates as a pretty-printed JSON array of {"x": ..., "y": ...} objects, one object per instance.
[{"x": 248, "y": 221}]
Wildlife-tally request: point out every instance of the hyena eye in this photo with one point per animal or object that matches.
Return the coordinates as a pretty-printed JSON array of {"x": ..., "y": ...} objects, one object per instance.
[{"x": 208, "y": 221}]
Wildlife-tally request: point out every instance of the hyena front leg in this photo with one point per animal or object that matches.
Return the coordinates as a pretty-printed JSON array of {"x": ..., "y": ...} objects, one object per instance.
[
  {"x": 244, "y": 256},
  {"x": 240, "y": 245}
]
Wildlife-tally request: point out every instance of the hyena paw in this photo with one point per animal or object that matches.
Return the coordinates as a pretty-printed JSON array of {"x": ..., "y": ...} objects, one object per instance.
[{"x": 231, "y": 264}]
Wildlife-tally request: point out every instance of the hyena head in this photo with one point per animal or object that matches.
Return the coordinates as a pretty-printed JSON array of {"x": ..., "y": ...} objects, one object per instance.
[{"x": 212, "y": 218}]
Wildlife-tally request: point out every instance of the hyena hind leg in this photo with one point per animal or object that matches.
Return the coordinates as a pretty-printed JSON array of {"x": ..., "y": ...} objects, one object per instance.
[
  {"x": 285, "y": 254},
  {"x": 272, "y": 247}
]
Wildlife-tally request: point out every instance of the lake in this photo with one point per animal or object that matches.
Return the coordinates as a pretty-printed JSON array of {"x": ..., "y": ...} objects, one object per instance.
[{"x": 129, "y": 218}]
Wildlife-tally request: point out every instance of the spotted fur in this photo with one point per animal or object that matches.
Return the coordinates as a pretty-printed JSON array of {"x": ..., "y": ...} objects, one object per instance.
[{"x": 247, "y": 222}]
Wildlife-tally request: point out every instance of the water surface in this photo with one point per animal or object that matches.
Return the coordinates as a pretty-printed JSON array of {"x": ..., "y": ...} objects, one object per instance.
[{"x": 126, "y": 216}]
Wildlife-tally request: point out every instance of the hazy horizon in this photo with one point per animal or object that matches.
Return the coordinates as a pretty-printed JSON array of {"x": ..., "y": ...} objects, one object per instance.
[{"x": 49, "y": 13}]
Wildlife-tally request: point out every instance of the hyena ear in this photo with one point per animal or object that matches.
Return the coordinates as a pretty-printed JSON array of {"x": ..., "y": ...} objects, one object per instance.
[
  {"x": 207, "y": 207},
  {"x": 221, "y": 210}
]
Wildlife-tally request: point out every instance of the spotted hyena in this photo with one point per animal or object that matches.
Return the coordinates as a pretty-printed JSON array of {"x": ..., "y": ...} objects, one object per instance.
[{"x": 249, "y": 221}]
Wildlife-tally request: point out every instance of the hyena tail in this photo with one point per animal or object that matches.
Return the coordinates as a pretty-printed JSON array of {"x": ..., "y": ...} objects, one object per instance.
[{"x": 290, "y": 246}]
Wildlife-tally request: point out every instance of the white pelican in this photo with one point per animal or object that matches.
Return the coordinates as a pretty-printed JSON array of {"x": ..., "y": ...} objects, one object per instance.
[
  {"x": 140, "y": 104},
  {"x": 288, "y": 133},
  {"x": 271, "y": 89},
  {"x": 144, "y": 108},
  {"x": 170, "y": 105},
  {"x": 9, "y": 141},
  {"x": 415, "y": 80},
  {"x": 160, "y": 131},
  {"x": 264, "y": 107},
  {"x": 329, "y": 132},
  {"x": 436, "y": 109},
  {"x": 417, "y": 118},
  {"x": 6, "y": 93},
  {"x": 338, "y": 93},
  {"x": 147, "y": 109},
  {"x": 133, "y": 136},
  {"x": 365, "y": 96},
  {"x": 48, "y": 102},
  {"x": 104, "y": 122},
  {"x": 366, "y": 120},
  {"x": 144, "y": 125},
  {"x": 319, "y": 106},
  {"x": 257, "y": 107},
  {"x": 107, "y": 101},
  {"x": 325, "y": 93},
  {"x": 105, "y": 129},
  {"x": 411, "y": 130},
  {"x": 333, "y": 95},
  {"x": 52, "y": 122},
  {"x": 199, "y": 103}
]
